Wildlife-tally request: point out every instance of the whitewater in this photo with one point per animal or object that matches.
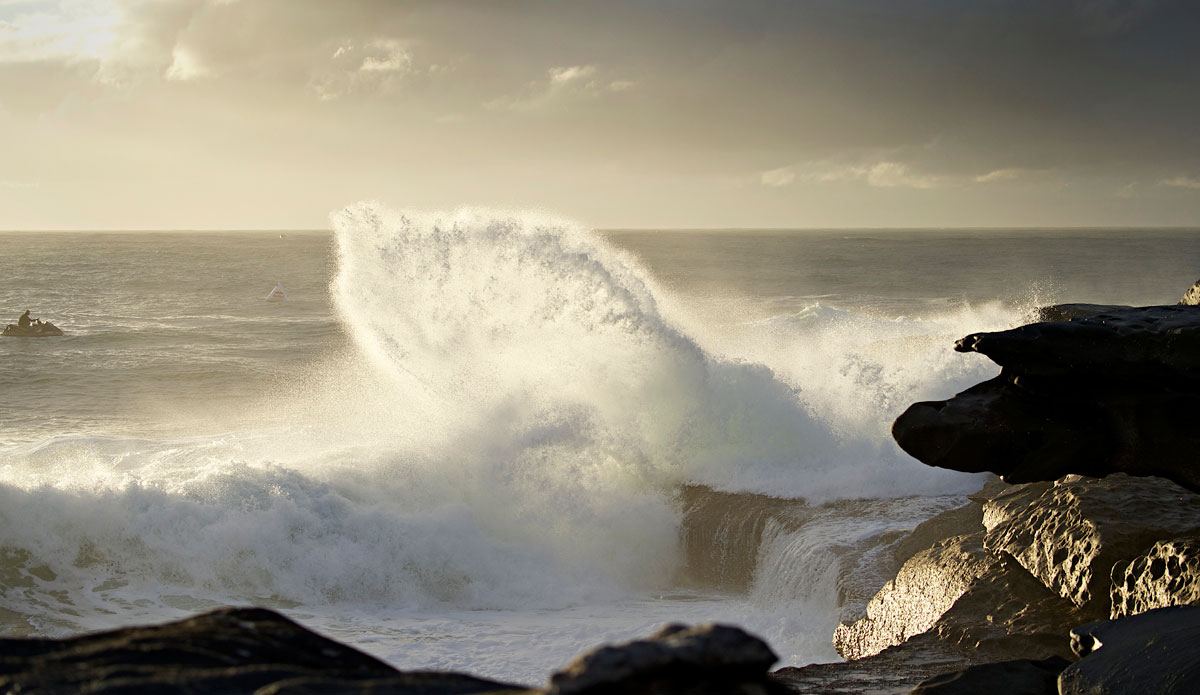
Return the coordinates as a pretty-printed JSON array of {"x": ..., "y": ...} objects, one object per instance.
[{"x": 487, "y": 440}]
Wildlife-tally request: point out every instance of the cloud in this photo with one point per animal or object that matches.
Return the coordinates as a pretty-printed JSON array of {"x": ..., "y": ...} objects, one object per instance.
[
  {"x": 67, "y": 30},
  {"x": 561, "y": 86},
  {"x": 895, "y": 174},
  {"x": 1183, "y": 182},
  {"x": 185, "y": 66},
  {"x": 376, "y": 66},
  {"x": 777, "y": 178}
]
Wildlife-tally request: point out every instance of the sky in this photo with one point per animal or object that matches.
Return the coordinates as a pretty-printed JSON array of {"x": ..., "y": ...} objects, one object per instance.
[{"x": 270, "y": 114}]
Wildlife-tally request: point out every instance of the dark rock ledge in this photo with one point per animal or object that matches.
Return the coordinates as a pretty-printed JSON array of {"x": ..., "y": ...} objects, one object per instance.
[{"x": 259, "y": 652}]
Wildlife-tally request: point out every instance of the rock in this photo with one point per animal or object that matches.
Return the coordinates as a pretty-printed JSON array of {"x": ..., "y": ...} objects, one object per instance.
[
  {"x": 716, "y": 659},
  {"x": 1015, "y": 677},
  {"x": 1070, "y": 312},
  {"x": 1069, "y": 535},
  {"x": 1133, "y": 342},
  {"x": 1192, "y": 296},
  {"x": 894, "y": 670},
  {"x": 235, "y": 650},
  {"x": 1008, "y": 614},
  {"x": 926, "y": 586},
  {"x": 964, "y": 595},
  {"x": 960, "y": 521},
  {"x": 1155, "y": 652},
  {"x": 1111, "y": 393},
  {"x": 1167, "y": 575}
]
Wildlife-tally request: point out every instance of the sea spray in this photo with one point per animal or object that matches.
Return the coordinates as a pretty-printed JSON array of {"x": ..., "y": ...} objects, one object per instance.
[{"x": 506, "y": 434}]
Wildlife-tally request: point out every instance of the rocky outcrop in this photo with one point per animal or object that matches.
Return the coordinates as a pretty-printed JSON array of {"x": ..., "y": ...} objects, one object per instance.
[
  {"x": 1155, "y": 652},
  {"x": 251, "y": 650},
  {"x": 1015, "y": 677},
  {"x": 1070, "y": 534},
  {"x": 926, "y": 586},
  {"x": 1167, "y": 575},
  {"x": 247, "y": 650},
  {"x": 1113, "y": 392},
  {"x": 1192, "y": 296},
  {"x": 716, "y": 659}
]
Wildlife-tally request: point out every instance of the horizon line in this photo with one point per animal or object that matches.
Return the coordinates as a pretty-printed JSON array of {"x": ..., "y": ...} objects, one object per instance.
[{"x": 309, "y": 230}]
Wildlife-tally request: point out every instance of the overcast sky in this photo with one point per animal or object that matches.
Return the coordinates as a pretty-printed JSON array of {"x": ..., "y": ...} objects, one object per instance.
[{"x": 199, "y": 114}]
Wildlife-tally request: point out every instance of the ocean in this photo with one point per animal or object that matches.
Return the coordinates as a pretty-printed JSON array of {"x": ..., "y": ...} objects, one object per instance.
[{"x": 487, "y": 440}]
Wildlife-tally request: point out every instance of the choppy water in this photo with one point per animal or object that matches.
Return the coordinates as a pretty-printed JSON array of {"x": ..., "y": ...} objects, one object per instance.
[{"x": 486, "y": 441}]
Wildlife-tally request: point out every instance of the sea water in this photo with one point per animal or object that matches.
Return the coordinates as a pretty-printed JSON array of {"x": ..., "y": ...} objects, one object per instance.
[{"x": 489, "y": 440}]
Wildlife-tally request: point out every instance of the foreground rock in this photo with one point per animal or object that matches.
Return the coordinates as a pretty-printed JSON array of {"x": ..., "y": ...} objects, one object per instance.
[
  {"x": 715, "y": 659},
  {"x": 1113, "y": 392},
  {"x": 1016, "y": 677},
  {"x": 259, "y": 652},
  {"x": 1155, "y": 652},
  {"x": 246, "y": 650},
  {"x": 1072, "y": 533}
]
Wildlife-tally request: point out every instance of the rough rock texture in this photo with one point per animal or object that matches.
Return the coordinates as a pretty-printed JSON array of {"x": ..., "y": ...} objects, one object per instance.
[
  {"x": 1192, "y": 296},
  {"x": 246, "y": 650},
  {"x": 1156, "y": 652},
  {"x": 1167, "y": 575},
  {"x": 1009, "y": 614},
  {"x": 926, "y": 586},
  {"x": 1016, "y": 677},
  {"x": 716, "y": 659},
  {"x": 1113, "y": 392},
  {"x": 1069, "y": 535}
]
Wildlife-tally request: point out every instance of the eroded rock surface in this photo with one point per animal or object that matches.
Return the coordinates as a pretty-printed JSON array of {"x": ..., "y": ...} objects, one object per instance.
[
  {"x": 1156, "y": 652},
  {"x": 1192, "y": 296},
  {"x": 1167, "y": 575},
  {"x": 1069, "y": 535}
]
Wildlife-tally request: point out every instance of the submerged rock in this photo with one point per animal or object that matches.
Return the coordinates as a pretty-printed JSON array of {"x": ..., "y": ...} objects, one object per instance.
[
  {"x": 1166, "y": 575},
  {"x": 1113, "y": 392},
  {"x": 1069, "y": 535},
  {"x": 1155, "y": 652}
]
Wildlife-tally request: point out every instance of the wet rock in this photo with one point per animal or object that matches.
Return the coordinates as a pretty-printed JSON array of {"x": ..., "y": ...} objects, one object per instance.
[
  {"x": 1069, "y": 535},
  {"x": 707, "y": 659},
  {"x": 1114, "y": 392},
  {"x": 1155, "y": 652},
  {"x": 232, "y": 650},
  {"x": 1167, "y": 575},
  {"x": 1070, "y": 312},
  {"x": 926, "y": 586},
  {"x": 1015, "y": 677},
  {"x": 1151, "y": 341}
]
